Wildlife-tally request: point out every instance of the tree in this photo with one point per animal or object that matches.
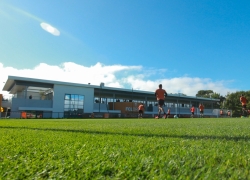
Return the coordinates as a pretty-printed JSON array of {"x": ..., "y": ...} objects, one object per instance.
[
  {"x": 204, "y": 93},
  {"x": 233, "y": 102},
  {"x": 211, "y": 94}
]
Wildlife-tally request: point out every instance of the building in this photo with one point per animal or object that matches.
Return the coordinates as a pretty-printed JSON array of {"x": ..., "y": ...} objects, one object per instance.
[{"x": 38, "y": 98}]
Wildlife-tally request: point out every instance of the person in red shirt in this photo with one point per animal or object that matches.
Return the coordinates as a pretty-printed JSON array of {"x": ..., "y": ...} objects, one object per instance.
[
  {"x": 243, "y": 101},
  {"x": 160, "y": 96},
  {"x": 192, "y": 109},
  {"x": 140, "y": 110},
  {"x": 201, "y": 107}
]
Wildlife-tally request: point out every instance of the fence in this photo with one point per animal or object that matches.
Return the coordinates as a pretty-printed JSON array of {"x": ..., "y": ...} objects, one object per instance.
[{"x": 74, "y": 115}]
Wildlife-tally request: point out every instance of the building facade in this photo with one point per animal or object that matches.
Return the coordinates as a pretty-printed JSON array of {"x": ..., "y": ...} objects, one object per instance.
[{"x": 38, "y": 98}]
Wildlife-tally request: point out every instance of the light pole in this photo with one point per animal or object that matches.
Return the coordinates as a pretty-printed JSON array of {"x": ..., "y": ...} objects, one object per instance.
[
  {"x": 102, "y": 84},
  {"x": 132, "y": 102},
  {"x": 99, "y": 97}
]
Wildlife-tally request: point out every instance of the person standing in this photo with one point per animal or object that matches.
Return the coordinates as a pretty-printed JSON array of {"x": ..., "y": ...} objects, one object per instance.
[
  {"x": 201, "y": 107},
  {"x": 243, "y": 101},
  {"x": 160, "y": 96},
  {"x": 228, "y": 114},
  {"x": 192, "y": 109},
  {"x": 168, "y": 113},
  {"x": 221, "y": 113},
  {"x": 140, "y": 110}
]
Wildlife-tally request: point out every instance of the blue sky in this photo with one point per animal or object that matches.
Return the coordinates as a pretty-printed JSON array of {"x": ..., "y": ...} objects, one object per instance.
[{"x": 187, "y": 45}]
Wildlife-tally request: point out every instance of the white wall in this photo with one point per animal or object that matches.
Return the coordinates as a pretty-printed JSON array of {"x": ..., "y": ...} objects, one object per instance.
[{"x": 61, "y": 90}]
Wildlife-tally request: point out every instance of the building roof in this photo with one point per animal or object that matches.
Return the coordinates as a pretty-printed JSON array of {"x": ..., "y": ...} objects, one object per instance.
[{"x": 16, "y": 83}]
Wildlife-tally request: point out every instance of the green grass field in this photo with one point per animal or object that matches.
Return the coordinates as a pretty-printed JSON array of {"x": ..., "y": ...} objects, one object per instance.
[{"x": 212, "y": 148}]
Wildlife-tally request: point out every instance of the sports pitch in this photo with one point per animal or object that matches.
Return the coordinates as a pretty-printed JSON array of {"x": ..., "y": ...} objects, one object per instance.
[{"x": 188, "y": 148}]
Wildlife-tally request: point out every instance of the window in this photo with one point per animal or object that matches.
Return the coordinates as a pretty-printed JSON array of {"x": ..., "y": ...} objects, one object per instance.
[{"x": 73, "y": 105}]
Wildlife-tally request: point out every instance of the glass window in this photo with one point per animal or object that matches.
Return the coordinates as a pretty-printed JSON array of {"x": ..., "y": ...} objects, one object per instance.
[
  {"x": 67, "y": 96},
  {"x": 66, "y": 101},
  {"x": 73, "y": 105},
  {"x": 81, "y": 98},
  {"x": 66, "y": 106}
]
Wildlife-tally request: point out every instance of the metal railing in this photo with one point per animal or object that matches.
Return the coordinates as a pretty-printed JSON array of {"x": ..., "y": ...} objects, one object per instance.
[{"x": 74, "y": 115}]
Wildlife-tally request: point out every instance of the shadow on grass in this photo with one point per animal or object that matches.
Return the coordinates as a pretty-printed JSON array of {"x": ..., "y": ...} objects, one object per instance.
[{"x": 193, "y": 137}]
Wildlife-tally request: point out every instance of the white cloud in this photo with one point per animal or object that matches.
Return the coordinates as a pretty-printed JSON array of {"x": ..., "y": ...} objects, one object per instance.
[
  {"x": 186, "y": 85},
  {"x": 50, "y": 29},
  {"x": 132, "y": 77}
]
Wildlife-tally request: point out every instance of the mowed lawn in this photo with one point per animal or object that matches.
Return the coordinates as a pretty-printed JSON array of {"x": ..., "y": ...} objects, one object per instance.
[{"x": 188, "y": 148}]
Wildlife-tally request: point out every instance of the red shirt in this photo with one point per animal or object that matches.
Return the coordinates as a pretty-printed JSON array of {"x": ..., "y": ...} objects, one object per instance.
[
  {"x": 141, "y": 107},
  {"x": 192, "y": 109},
  {"x": 201, "y": 107},
  {"x": 243, "y": 100},
  {"x": 160, "y": 94}
]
